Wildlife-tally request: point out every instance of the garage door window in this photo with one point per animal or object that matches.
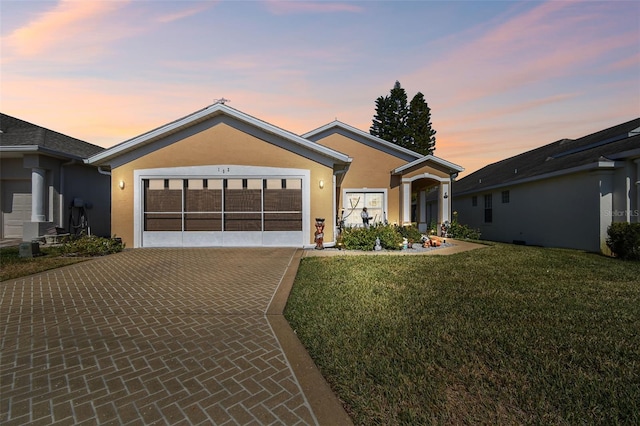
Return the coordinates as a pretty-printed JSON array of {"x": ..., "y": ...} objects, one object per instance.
[{"x": 222, "y": 204}]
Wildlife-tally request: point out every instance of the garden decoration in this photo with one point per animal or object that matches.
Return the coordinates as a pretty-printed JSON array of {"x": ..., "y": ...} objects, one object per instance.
[{"x": 319, "y": 234}]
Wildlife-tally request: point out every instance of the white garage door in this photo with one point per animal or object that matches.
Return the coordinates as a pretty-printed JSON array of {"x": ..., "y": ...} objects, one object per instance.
[
  {"x": 16, "y": 207},
  {"x": 222, "y": 212}
]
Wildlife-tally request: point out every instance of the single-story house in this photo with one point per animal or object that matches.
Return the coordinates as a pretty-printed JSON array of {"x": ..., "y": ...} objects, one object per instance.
[
  {"x": 564, "y": 194},
  {"x": 220, "y": 177},
  {"x": 45, "y": 183}
]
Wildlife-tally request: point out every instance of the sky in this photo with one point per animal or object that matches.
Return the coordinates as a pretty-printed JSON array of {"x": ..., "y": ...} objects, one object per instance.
[{"x": 500, "y": 77}]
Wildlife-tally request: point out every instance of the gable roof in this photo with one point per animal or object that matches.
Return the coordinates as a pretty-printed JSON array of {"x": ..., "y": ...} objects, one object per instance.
[
  {"x": 221, "y": 111},
  {"x": 599, "y": 149},
  {"x": 20, "y": 136},
  {"x": 362, "y": 137},
  {"x": 447, "y": 166}
]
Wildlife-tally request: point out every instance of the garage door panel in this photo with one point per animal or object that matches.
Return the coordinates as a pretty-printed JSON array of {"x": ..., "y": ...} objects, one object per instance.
[
  {"x": 163, "y": 222},
  {"x": 202, "y": 239},
  {"x": 243, "y": 200},
  {"x": 242, "y": 239},
  {"x": 203, "y": 222},
  {"x": 243, "y": 222},
  {"x": 283, "y": 221},
  {"x": 282, "y": 200},
  {"x": 203, "y": 200}
]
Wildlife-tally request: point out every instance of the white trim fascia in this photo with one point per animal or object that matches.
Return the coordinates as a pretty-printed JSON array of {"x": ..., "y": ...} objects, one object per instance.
[
  {"x": 427, "y": 158},
  {"x": 385, "y": 191},
  {"x": 207, "y": 113},
  {"x": 29, "y": 149},
  {"x": 599, "y": 165},
  {"x": 19, "y": 148},
  {"x": 625, "y": 155},
  {"x": 426, "y": 176},
  {"x": 360, "y": 133}
]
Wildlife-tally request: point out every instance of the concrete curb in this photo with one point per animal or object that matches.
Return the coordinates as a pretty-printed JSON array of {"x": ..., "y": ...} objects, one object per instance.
[{"x": 324, "y": 404}]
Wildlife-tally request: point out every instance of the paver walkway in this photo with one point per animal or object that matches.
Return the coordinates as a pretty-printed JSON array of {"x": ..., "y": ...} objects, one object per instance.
[{"x": 149, "y": 336}]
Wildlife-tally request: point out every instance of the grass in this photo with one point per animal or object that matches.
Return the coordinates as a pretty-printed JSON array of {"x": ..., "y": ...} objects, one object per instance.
[
  {"x": 14, "y": 266},
  {"x": 505, "y": 334}
]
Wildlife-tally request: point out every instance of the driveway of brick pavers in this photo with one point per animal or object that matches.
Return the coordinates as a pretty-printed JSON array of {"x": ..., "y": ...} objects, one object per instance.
[{"x": 148, "y": 336}]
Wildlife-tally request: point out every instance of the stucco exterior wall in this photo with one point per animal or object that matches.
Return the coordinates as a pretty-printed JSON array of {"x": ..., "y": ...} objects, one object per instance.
[
  {"x": 218, "y": 145},
  {"x": 559, "y": 212},
  {"x": 370, "y": 168}
]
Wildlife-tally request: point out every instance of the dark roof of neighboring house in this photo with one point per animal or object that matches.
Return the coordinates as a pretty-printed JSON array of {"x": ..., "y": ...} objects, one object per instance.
[
  {"x": 20, "y": 133},
  {"x": 558, "y": 156}
]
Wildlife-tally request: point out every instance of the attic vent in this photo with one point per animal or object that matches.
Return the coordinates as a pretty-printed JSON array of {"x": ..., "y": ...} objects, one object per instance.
[
  {"x": 479, "y": 180},
  {"x": 515, "y": 171}
]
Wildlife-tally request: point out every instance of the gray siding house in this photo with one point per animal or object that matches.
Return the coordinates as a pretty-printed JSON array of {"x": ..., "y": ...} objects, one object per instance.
[
  {"x": 564, "y": 194},
  {"x": 44, "y": 182}
]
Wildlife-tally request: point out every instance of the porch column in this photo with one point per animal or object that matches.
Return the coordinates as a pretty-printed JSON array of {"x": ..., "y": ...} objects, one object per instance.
[
  {"x": 37, "y": 194},
  {"x": 605, "y": 181},
  {"x": 636, "y": 214},
  {"x": 422, "y": 211},
  {"x": 444, "y": 204},
  {"x": 406, "y": 203}
]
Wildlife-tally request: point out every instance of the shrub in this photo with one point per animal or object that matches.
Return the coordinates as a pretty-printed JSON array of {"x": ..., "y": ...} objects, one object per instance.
[
  {"x": 624, "y": 240},
  {"x": 358, "y": 238},
  {"x": 390, "y": 238},
  {"x": 365, "y": 238},
  {"x": 411, "y": 233},
  {"x": 460, "y": 231},
  {"x": 91, "y": 245}
]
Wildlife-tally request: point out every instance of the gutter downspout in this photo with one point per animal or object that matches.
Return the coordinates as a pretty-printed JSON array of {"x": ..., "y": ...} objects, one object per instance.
[{"x": 103, "y": 172}]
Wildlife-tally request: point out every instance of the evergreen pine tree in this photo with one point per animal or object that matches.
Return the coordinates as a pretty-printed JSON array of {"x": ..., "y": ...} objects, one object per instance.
[
  {"x": 405, "y": 125},
  {"x": 422, "y": 135}
]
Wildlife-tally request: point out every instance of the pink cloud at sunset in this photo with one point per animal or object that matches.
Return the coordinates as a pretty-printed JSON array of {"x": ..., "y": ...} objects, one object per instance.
[{"x": 67, "y": 22}]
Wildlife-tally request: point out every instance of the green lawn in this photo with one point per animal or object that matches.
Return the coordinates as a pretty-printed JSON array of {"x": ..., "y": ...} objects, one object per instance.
[
  {"x": 501, "y": 335},
  {"x": 14, "y": 266}
]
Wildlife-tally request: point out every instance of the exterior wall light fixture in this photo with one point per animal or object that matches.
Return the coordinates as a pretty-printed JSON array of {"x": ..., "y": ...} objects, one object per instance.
[
  {"x": 321, "y": 184},
  {"x": 121, "y": 184}
]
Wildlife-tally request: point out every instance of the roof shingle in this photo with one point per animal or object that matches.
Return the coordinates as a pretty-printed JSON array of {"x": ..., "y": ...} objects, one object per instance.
[
  {"x": 16, "y": 132},
  {"x": 557, "y": 156}
]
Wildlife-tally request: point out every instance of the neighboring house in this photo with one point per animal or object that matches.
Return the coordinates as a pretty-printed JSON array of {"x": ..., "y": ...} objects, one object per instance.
[
  {"x": 565, "y": 194},
  {"x": 42, "y": 172},
  {"x": 220, "y": 177}
]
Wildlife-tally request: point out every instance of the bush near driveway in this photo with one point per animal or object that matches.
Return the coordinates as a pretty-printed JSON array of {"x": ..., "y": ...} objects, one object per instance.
[
  {"x": 624, "y": 240},
  {"x": 503, "y": 335},
  {"x": 72, "y": 250}
]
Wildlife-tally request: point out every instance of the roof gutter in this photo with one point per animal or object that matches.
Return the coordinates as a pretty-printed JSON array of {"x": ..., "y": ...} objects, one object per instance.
[{"x": 601, "y": 164}]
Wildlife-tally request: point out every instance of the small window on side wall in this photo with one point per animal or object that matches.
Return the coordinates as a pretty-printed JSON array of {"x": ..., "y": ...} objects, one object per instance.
[
  {"x": 505, "y": 197},
  {"x": 474, "y": 201},
  {"x": 488, "y": 208}
]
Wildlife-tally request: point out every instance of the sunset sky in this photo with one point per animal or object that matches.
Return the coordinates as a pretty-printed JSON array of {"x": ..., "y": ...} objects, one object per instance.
[{"x": 500, "y": 77}]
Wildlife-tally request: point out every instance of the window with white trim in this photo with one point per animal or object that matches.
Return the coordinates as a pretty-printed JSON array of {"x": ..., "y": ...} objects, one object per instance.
[{"x": 355, "y": 200}]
